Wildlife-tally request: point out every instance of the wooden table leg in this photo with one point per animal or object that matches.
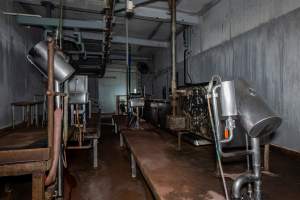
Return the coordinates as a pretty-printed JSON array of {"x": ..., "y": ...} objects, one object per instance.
[
  {"x": 179, "y": 141},
  {"x": 38, "y": 186}
]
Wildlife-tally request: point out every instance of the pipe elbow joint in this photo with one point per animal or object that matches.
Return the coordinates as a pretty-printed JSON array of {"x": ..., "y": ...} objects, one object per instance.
[{"x": 238, "y": 184}]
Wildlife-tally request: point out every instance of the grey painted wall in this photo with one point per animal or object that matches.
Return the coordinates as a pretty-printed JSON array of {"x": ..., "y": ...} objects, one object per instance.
[
  {"x": 114, "y": 83},
  {"x": 263, "y": 48},
  {"x": 18, "y": 79}
]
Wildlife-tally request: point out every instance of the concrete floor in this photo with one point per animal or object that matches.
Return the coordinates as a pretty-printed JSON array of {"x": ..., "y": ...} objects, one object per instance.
[{"x": 112, "y": 180}]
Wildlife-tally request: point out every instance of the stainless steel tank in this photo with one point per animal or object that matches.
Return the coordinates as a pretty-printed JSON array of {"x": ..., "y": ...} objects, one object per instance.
[
  {"x": 256, "y": 116},
  {"x": 38, "y": 56},
  {"x": 228, "y": 101}
]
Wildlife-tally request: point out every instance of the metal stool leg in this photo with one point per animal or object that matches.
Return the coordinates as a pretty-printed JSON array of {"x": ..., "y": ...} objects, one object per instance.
[
  {"x": 133, "y": 167},
  {"x": 95, "y": 153},
  {"x": 121, "y": 141},
  {"x": 13, "y": 115}
]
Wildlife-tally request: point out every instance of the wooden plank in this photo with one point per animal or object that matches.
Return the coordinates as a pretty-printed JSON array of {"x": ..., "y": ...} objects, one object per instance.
[
  {"x": 38, "y": 186},
  {"x": 22, "y": 168},
  {"x": 22, "y": 138},
  {"x": 24, "y": 155}
]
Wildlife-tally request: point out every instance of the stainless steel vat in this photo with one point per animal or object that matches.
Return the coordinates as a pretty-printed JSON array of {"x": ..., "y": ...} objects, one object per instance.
[
  {"x": 255, "y": 115},
  {"x": 38, "y": 56}
]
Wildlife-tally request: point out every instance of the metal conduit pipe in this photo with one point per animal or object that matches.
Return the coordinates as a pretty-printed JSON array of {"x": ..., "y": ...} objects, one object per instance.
[
  {"x": 54, "y": 122},
  {"x": 58, "y": 146},
  {"x": 54, "y": 66},
  {"x": 50, "y": 63},
  {"x": 173, "y": 28},
  {"x": 250, "y": 178},
  {"x": 185, "y": 65},
  {"x": 256, "y": 164},
  {"x": 240, "y": 182},
  {"x": 66, "y": 103}
]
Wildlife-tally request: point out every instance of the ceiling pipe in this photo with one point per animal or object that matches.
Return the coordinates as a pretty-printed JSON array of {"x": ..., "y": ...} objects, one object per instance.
[{"x": 137, "y": 5}]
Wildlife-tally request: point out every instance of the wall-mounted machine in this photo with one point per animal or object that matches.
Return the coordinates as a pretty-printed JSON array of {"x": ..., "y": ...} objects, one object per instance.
[
  {"x": 191, "y": 117},
  {"x": 239, "y": 101},
  {"x": 193, "y": 105}
]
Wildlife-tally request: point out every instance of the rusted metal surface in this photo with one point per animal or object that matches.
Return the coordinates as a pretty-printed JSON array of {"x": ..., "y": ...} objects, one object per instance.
[
  {"x": 176, "y": 122},
  {"x": 171, "y": 175},
  {"x": 190, "y": 173},
  {"x": 173, "y": 33},
  {"x": 50, "y": 91}
]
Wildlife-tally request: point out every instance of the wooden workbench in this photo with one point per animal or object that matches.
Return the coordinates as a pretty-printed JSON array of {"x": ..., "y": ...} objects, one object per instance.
[
  {"x": 28, "y": 114},
  {"x": 25, "y": 151},
  {"x": 173, "y": 175}
]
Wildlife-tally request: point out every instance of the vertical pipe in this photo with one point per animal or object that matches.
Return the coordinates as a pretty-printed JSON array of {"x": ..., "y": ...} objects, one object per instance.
[
  {"x": 256, "y": 162},
  {"x": 248, "y": 165},
  {"x": 267, "y": 157},
  {"x": 129, "y": 69},
  {"x": 173, "y": 29},
  {"x": 50, "y": 91},
  {"x": 127, "y": 60},
  {"x": 60, "y": 162},
  {"x": 57, "y": 97},
  {"x": 61, "y": 24},
  {"x": 66, "y": 104}
]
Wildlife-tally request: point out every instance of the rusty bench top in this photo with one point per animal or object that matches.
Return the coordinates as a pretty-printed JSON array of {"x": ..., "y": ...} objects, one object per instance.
[
  {"x": 173, "y": 175},
  {"x": 23, "y": 145},
  {"x": 22, "y": 138}
]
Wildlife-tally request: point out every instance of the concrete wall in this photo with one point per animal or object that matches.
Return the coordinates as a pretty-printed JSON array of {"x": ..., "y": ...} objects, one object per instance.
[
  {"x": 114, "y": 83},
  {"x": 18, "y": 79},
  {"x": 257, "y": 40}
]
